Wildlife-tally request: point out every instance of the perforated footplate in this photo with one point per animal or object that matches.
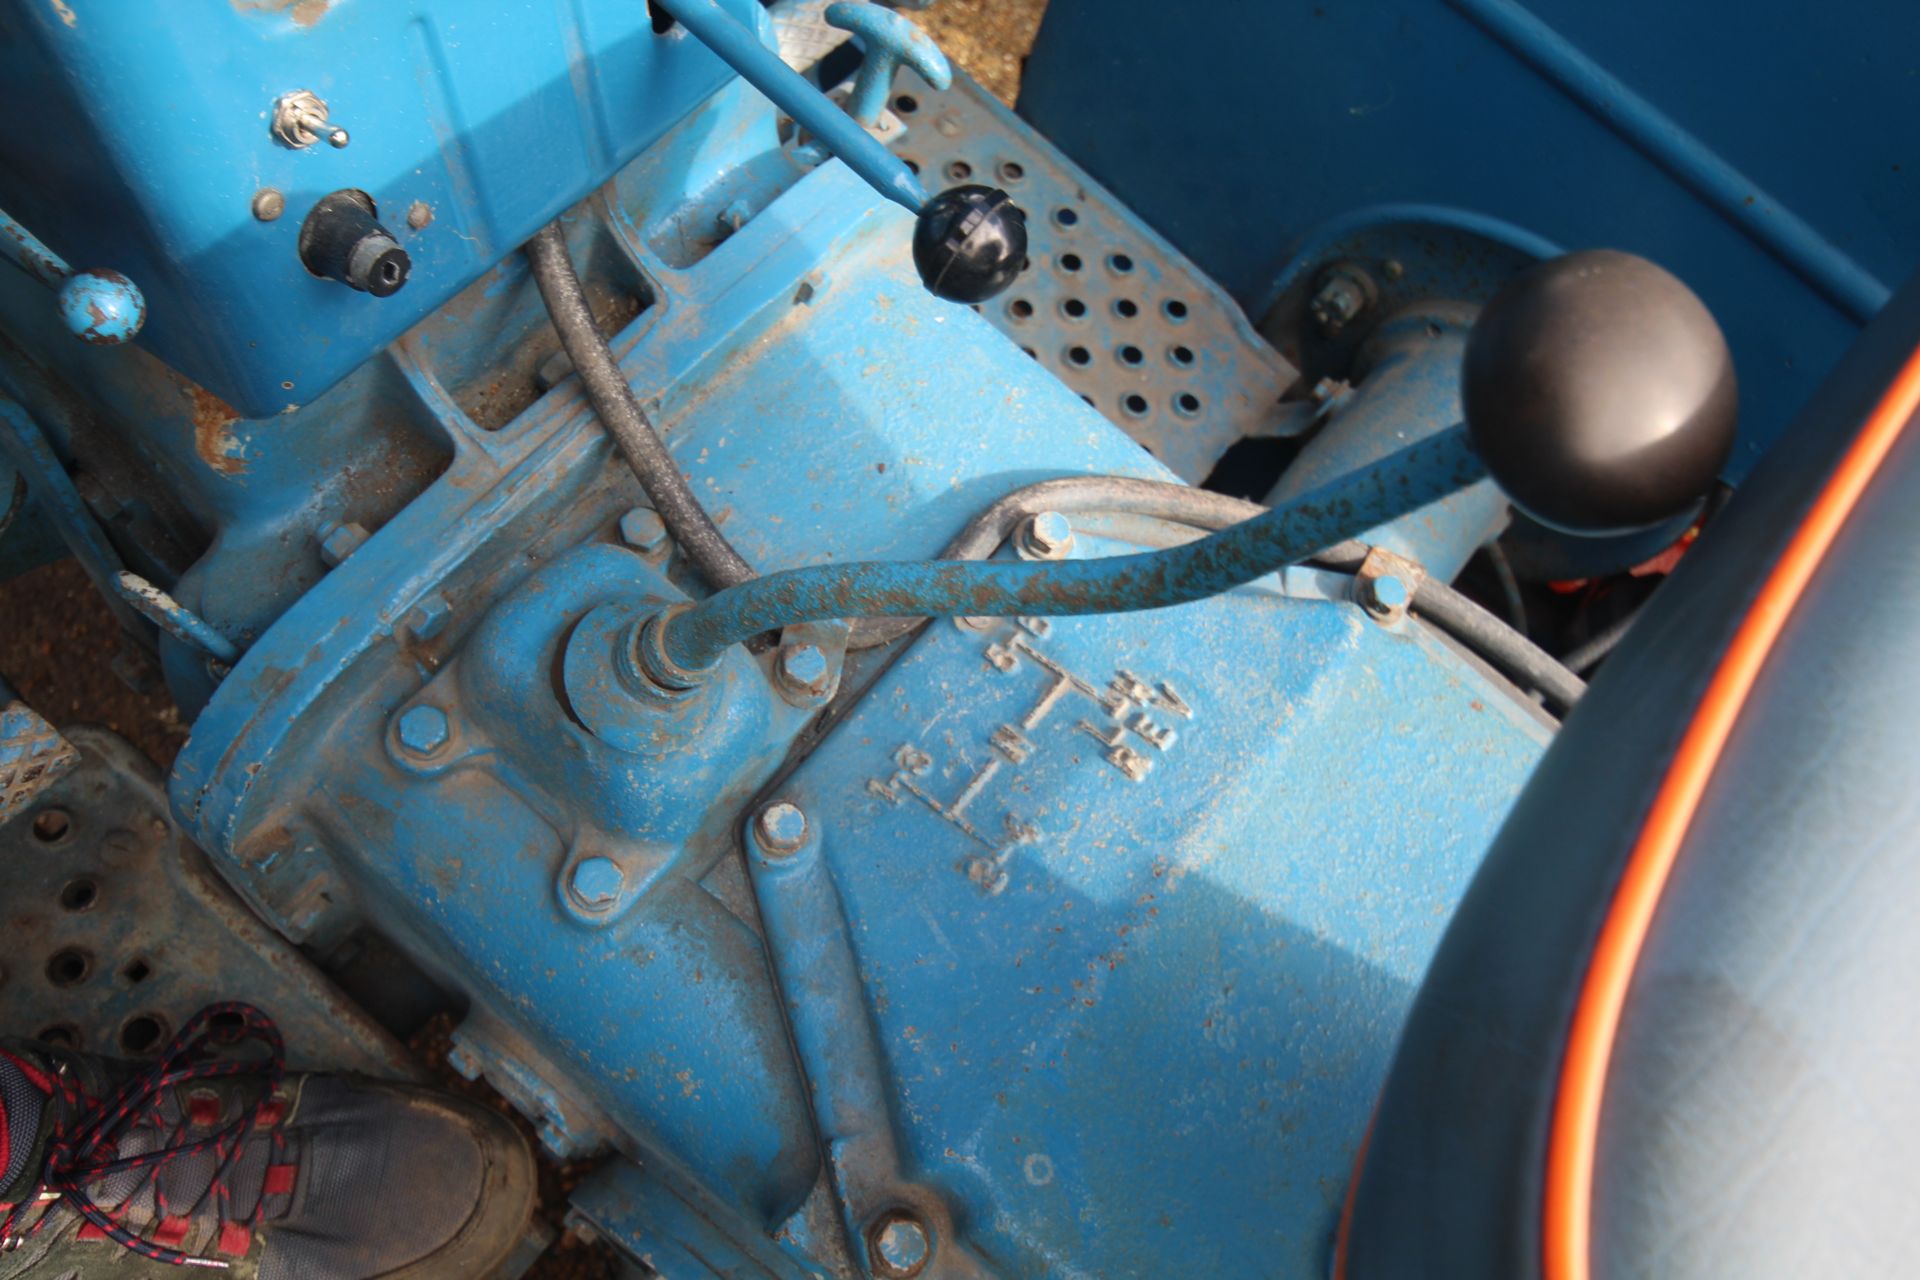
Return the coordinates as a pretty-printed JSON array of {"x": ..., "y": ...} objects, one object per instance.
[
  {"x": 1105, "y": 304},
  {"x": 117, "y": 930},
  {"x": 33, "y": 755}
]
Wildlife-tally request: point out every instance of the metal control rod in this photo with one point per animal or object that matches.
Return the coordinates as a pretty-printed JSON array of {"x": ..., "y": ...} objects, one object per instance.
[
  {"x": 737, "y": 45},
  {"x": 694, "y": 639}
]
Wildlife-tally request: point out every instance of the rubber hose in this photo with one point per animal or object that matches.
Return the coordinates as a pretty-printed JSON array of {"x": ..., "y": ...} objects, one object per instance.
[
  {"x": 1590, "y": 654},
  {"x": 1502, "y": 647},
  {"x": 699, "y": 539}
]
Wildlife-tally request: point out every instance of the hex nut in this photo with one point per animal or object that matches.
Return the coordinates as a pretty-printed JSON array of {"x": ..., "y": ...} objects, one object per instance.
[
  {"x": 338, "y": 541},
  {"x": 804, "y": 668},
  {"x": 1386, "y": 596},
  {"x": 644, "y": 531},
  {"x": 1046, "y": 535},
  {"x": 423, "y": 730},
  {"x": 781, "y": 828},
  {"x": 898, "y": 1246},
  {"x": 598, "y": 882}
]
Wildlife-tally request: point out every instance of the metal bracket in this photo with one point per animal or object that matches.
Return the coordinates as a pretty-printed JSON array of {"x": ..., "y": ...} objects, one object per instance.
[{"x": 1386, "y": 584}]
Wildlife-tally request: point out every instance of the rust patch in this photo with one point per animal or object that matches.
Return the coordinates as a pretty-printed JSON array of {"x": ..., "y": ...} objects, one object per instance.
[
  {"x": 212, "y": 441},
  {"x": 304, "y": 13}
]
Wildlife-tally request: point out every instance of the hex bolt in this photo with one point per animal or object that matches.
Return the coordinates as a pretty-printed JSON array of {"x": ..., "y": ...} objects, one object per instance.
[
  {"x": 428, "y": 618},
  {"x": 554, "y": 368},
  {"x": 898, "y": 1246},
  {"x": 804, "y": 668},
  {"x": 1339, "y": 301},
  {"x": 1386, "y": 597},
  {"x": 338, "y": 541},
  {"x": 423, "y": 730},
  {"x": 644, "y": 531},
  {"x": 781, "y": 828},
  {"x": 1047, "y": 535},
  {"x": 598, "y": 882}
]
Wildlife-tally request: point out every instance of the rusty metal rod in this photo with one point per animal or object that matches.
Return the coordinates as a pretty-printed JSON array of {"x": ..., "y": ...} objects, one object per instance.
[{"x": 694, "y": 640}]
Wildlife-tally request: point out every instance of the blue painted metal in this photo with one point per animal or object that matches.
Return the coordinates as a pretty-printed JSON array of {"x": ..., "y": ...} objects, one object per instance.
[
  {"x": 825, "y": 422},
  {"x": 423, "y": 730},
  {"x": 495, "y": 119},
  {"x": 597, "y": 882},
  {"x": 682, "y": 1233},
  {"x": 742, "y": 49},
  {"x": 1730, "y": 193},
  {"x": 1054, "y": 946},
  {"x": 887, "y": 42},
  {"x": 1087, "y": 955},
  {"x": 1630, "y": 125},
  {"x": 174, "y": 618},
  {"x": 33, "y": 755},
  {"x": 1110, "y": 308},
  {"x": 102, "y": 307},
  {"x": 1389, "y": 594},
  {"x": 1381, "y": 489},
  {"x": 31, "y": 453},
  {"x": 1409, "y": 372},
  {"x": 98, "y": 306}
]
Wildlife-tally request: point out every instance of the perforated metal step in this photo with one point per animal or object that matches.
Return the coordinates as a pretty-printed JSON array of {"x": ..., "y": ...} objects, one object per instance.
[
  {"x": 1113, "y": 310},
  {"x": 118, "y": 931}
]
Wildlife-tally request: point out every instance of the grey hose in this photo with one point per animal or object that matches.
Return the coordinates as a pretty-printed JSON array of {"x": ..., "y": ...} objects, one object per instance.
[
  {"x": 699, "y": 539},
  {"x": 1504, "y": 648},
  {"x": 1200, "y": 508},
  {"x": 1589, "y": 655},
  {"x": 1509, "y": 586},
  {"x": 1515, "y": 656}
]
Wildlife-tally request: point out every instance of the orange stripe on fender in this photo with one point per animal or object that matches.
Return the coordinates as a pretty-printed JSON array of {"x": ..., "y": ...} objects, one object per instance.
[{"x": 1568, "y": 1212}]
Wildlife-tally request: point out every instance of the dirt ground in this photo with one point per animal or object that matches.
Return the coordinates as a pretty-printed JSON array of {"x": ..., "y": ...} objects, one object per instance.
[{"x": 58, "y": 642}]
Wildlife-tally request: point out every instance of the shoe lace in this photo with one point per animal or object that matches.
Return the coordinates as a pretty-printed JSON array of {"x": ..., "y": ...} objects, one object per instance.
[{"x": 82, "y": 1145}]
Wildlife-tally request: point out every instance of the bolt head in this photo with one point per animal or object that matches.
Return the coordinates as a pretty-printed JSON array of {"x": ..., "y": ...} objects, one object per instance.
[
  {"x": 428, "y": 618},
  {"x": 423, "y": 730},
  {"x": 804, "y": 666},
  {"x": 781, "y": 827},
  {"x": 268, "y": 204},
  {"x": 419, "y": 214},
  {"x": 598, "y": 882},
  {"x": 338, "y": 541},
  {"x": 898, "y": 1246},
  {"x": 644, "y": 531},
  {"x": 1387, "y": 595},
  {"x": 1335, "y": 304},
  {"x": 1046, "y": 536}
]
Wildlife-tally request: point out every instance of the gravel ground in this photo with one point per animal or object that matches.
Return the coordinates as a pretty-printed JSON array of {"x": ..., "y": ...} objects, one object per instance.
[
  {"x": 57, "y": 640},
  {"x": 57, "y": 644},
  {"x": 988, "y": 39}
]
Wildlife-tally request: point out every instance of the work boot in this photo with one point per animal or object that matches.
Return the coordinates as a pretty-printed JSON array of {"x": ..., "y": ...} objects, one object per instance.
[{"x": 212, "y": 1156}]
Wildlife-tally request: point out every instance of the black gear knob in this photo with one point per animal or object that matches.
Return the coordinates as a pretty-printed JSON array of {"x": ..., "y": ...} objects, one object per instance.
[
  {"x": 1600, "y": 393},
  {"x": 969, "y": 243}
]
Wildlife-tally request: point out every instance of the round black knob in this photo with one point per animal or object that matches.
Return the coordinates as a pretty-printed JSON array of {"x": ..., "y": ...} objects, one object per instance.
[
  {"x": 342, "y": 239},
  {"x": 1600, "y": 393},
  {"x": 970, "y": 243}
]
